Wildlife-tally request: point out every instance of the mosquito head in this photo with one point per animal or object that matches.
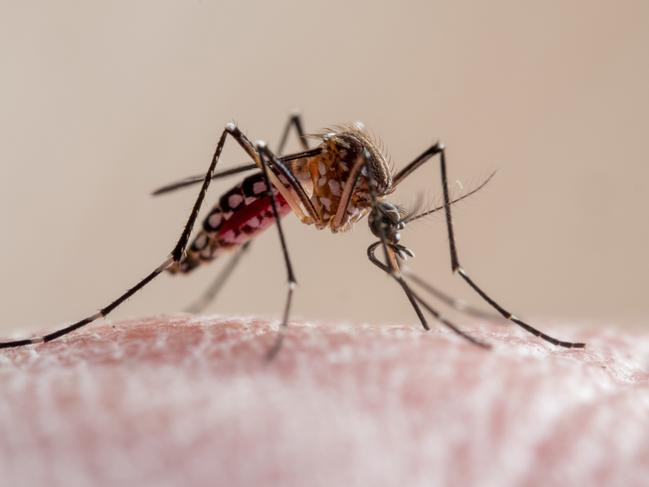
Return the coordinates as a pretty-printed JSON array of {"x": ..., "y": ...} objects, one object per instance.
[{"x": 385, "y": 219}]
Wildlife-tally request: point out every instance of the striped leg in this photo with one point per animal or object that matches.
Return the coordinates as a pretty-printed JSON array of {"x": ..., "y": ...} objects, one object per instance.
[
  {"x": 173, "y": 260},
  {"x": 266, "y": 156},
  {"x": 295, "y": 120},
  {"x": 438, "y": 149},
  {"x": 414, "y": 298},
  {"x": 457, "y": 304},
  {"x": 198, "y": 306}
]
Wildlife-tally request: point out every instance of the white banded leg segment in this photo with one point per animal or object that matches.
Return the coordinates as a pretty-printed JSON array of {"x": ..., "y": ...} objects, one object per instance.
[
  {"x": 455, "y": 303},
  {"x": 253, "y": 189},
  {"x": 439, "y": 149},
  {"x": 267, "y": 156}
]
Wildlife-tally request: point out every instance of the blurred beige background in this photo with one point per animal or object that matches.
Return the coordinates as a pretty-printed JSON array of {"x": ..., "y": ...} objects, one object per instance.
[{"x": 101, "y": 103}]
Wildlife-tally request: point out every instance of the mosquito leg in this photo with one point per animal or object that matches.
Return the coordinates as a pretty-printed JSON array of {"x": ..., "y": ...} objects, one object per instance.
[
  {"x": 100, "y": 314},
  {"x": 456, "y": 304},
  {"x": 210, "y": 294},
  {"x": 173, "y": 260},
  {"x": 393, "y": 269},
  {"x": 267, "y": 156},
  {"x": 294, "y": 120},
  {"x": 191, "y": 180},
  {"x": 399, "y": 279},
  {"x": 436, "y": 149},
  {"x": 282, "y": 173},
  {"x": 391, "y": 265},
  {"x": 414, "y": 298}
]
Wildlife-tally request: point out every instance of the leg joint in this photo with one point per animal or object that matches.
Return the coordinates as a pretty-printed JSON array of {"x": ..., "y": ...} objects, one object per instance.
[
  {"x": 178, "y": 254},
  {"x": 231, "y": 128},
  {"x": 437, "y": 147}
]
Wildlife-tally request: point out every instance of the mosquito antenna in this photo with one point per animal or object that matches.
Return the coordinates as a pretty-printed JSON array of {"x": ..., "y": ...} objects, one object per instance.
[{"x": 460, "y": 198}]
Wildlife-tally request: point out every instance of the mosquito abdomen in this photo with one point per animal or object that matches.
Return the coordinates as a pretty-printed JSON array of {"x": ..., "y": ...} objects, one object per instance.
[{"x": 241, "y": 213}]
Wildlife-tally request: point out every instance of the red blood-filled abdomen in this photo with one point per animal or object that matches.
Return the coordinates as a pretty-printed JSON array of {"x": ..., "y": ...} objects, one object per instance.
[
  {"x": 250, "y": 220},
  {"x": 241, "y": 213}
]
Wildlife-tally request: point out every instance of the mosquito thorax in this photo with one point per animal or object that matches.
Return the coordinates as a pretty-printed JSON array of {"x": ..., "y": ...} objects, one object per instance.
[{"x": 349, "y": 155}]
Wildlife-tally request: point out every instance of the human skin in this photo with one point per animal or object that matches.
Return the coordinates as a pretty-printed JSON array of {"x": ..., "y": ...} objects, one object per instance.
[{"x": 184, "y": 400}]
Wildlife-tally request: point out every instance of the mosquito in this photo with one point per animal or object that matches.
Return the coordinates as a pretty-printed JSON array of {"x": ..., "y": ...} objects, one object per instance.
[{"x": 344, "y": 178}]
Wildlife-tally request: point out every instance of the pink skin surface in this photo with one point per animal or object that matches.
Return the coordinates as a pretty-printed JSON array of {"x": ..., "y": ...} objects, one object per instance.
[{"x": 190, "y": 401}]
